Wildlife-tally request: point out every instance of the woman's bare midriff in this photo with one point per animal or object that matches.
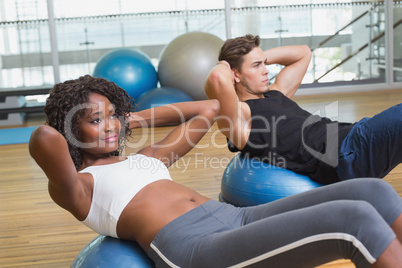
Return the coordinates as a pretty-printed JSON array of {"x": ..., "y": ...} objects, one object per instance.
[{"x": 153, "y": 207}]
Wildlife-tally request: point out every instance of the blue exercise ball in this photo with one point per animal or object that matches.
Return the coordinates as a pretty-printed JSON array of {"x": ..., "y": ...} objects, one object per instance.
[
  {"x": 106, "y": 252},
  {"x": 161, "y": 96},
  {"x": 130, "y": 69},
  {"x": 185, "y": 62},
  {"x": 249, "y": 182}
]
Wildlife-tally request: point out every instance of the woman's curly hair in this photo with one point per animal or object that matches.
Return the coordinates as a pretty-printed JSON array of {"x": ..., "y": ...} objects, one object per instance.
[{"x": 67, "y": 96}]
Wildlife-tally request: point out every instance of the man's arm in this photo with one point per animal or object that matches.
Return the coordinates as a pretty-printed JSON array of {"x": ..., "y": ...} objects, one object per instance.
[
  {"x": 233, "y": 120},
  {"x": 296, "y": 60}
]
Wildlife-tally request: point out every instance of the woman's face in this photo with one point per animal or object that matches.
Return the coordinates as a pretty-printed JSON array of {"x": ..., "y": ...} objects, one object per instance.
[{"x": 99, "y": 127}]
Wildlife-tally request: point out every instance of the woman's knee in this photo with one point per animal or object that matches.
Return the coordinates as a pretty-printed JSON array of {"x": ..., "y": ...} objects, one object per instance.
[
  {"x": 381, "y": 192},
  {"x": 372, "y": 190},
  {"x": 382, "y": 196},
  {"x": 361, "y": 212},
  {"x": 358, "y": 211},
  {"x": 353, "y": 216},
  {"x": 377, "y": 187}
]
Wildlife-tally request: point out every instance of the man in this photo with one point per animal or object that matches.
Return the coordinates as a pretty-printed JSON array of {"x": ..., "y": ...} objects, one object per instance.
[{"x": 262, "y": 121}]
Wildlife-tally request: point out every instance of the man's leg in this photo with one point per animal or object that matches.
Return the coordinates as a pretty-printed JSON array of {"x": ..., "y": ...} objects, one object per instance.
[{"x": 373, "y": 147}]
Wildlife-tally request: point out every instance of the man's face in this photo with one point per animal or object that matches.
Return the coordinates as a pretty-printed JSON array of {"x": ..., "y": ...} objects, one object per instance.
[{"x": 253, "y": 76}]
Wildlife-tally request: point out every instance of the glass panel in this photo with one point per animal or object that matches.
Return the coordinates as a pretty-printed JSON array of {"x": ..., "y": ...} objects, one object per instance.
[
  {"x": 86, "y": 30},
  {"x": 24, "y": 44},
  {"x": 347, "y": 37},
  {"x": 85, "y": 36},
  {"x": 339, "y": 35}
]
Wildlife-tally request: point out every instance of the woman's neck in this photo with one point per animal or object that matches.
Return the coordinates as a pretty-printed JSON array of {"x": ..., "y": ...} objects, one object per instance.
[{"x": 98, "y": 160}]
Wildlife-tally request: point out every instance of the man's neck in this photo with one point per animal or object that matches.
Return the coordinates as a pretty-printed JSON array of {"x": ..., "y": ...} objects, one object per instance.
[{"x": 245, "y": 95}]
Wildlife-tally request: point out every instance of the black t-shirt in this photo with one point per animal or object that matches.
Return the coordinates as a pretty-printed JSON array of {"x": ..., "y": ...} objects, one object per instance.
[{"x": 285, "y": 135}]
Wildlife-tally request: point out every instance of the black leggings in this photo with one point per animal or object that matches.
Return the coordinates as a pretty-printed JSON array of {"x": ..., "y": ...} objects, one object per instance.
[{"x": 348, "y": 219}]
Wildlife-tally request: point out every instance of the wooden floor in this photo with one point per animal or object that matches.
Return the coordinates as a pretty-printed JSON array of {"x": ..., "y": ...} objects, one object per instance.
[{"x": 34, "y": 232}]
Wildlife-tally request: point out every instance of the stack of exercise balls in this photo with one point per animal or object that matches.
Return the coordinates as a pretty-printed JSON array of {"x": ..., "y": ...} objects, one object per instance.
[{"x": 183, "y": 66}]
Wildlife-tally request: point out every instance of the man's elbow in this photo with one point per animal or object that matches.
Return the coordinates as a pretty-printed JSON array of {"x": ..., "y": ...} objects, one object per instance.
[
  {"x": 215, "y": 82},
  {"x": 211, "y": 84}
]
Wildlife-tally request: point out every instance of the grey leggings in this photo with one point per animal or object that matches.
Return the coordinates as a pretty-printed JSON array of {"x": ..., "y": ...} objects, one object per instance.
[{"x": 349, "y": 219}]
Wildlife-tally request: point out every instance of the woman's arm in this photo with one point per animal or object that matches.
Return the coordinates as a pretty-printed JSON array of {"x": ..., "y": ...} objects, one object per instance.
[
  {"x": 196, "y": 119},
  {"x": 164, "y": 115},
  {"x": 50, "y": 150},
  {"x": 234, "y": 117},
  {"x": 296, "y": 60}
]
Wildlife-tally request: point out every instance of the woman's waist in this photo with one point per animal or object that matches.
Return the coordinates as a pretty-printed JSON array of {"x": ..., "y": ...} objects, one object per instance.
[
  {"x": 153, "y": 208},
  {"x": 169, "y": 192}
]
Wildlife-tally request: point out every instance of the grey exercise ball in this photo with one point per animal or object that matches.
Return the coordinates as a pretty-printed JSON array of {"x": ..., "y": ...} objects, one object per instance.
[{"x": 185, "y": 62}]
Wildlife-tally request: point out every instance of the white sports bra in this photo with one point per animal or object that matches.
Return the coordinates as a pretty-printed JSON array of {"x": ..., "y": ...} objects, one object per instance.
[{"x": 114, "y": 187}]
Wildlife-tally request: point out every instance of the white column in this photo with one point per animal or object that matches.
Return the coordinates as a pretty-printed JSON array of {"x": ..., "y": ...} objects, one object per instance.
[
  {"x": 389, "y": 42},
  {"x": 228, "y": 19},
  {"x": 4, "y": 38},
  {"x": 53, "y": 41}
]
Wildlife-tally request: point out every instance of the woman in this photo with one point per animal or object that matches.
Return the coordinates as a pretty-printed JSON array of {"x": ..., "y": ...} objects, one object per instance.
[{"x": 134, "y": 197}]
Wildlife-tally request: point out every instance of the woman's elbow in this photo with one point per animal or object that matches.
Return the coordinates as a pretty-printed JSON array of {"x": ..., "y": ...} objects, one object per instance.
[
  {"x": 215, "y": 107},
  {"x": 307, "y": 51},
  {"x": 42, "y": 138},
  {"x": 212, "y": 110}
]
